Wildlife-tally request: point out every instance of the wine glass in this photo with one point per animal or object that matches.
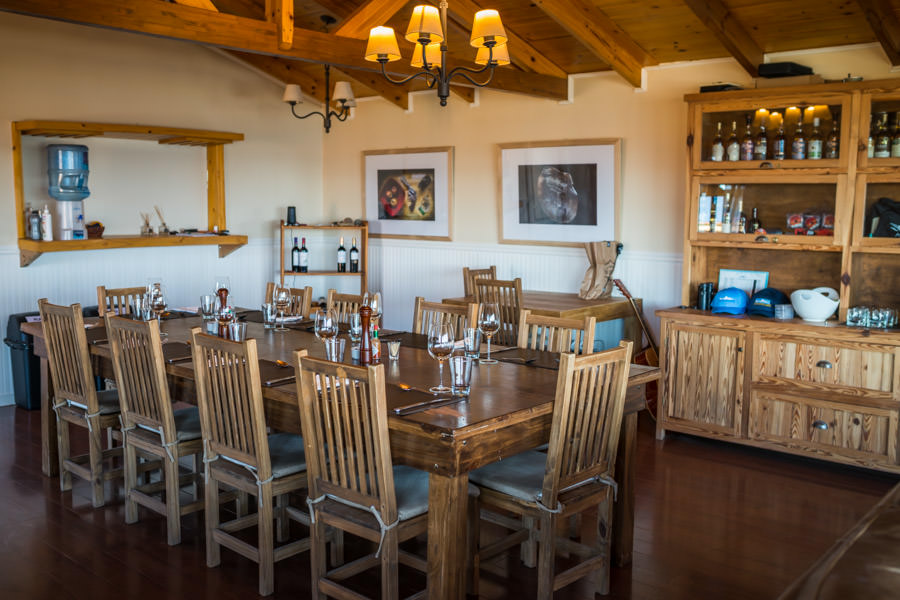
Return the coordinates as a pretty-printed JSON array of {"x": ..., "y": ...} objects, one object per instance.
[
  {"x": 326, "y": 326},
  {"x": 489, "y": 323},
  {"x": 440, "y": 347},
  {"x": 281, "y": 297},
  {"x": 158, "y": 304},
  {"x": 376, "y": 305},
  {"x": 354, "y": 324},
  {"x": 223, "y": 282}
]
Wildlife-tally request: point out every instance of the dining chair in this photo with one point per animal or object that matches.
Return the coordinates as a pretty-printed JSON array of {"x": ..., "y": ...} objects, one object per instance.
[
  {"x": 460, "y": 316},
  {"x": 239, "y": 454},
  {"x": 118, "y": 301},
  {"x": 76, "y": 400},
  {"x": 301, "y": 299},
  {"x": 343, "y": 304},
  {"x": 556, "y": 334},
  {"x": 507, "y": 294},
  {"x": 470, "y": 274},
  {"x": 151, "y": 426},
  {"x": 353, "y": 486},
  {"x": 574, "y": 477}
]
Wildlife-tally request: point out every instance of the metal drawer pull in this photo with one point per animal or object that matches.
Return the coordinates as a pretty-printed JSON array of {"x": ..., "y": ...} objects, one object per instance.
[
  {"x": 820, "y": 425},
  {"x": 824, "y": 364}
]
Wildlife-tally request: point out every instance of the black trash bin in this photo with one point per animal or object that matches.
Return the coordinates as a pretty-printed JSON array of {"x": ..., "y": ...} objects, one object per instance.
[{"x": 26, "y": 367}]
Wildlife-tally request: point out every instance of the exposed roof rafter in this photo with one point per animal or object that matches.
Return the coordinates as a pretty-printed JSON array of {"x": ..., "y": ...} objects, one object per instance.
[
  {"x": 885, "y": 26},
  {"x": 730, "y": 32}
]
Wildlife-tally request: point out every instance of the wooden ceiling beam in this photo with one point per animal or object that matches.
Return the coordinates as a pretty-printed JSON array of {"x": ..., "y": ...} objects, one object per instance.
[
  {"x": 205, "y": 4},
  {"x": 281, "y": 12},
  {"x": 885, "y": 25},
  {"x": 590, "y": 26},
  {"x": 521, "y": 53},
  {"x": 370, "y": 14},
  {"x": 173, "y": 21},
  {"x": 287, "y": 71},
  {"x": 730, "y": 32}
]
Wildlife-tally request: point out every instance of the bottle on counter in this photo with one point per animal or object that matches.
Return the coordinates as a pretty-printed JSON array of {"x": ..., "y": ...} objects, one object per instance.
[
  {"x": 341, "y": 257},
  {"x": 733, "y": 147},
  {"x": 354, "y": 257},
  {"x": 882, "y": 138},
  {"x": 46, "y": 225},
  {"x": 798, "y": 144},
  {"x": 34, "y": 225},
  {"x": 761, "y": 143},
  {"x": 747, "y": 143},
  {"x": 304, "y": 256},
  {"x": 295, "y": 257},
  {"x": 815, "y": 146},
  {"x": 779, "y": 145},
  {"x": 833, "y": 143},
  {"x": 717, "y": 154}
]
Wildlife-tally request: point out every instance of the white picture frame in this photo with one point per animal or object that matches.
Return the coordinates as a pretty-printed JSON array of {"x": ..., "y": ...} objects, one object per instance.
[{"x": 743, "y": 280}]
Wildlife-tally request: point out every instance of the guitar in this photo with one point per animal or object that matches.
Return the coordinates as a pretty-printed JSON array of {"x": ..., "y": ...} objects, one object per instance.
[{"x": 649, "y": 354}]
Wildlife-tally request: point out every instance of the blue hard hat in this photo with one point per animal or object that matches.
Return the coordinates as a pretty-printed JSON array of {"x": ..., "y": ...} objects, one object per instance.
[{"x": 730, "y": 300}]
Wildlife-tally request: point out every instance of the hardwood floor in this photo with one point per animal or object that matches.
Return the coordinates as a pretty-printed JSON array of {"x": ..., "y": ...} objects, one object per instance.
[{"x": 713, "y": 520}]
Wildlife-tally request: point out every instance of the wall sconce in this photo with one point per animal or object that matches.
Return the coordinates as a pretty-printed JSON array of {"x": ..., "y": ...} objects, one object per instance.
[{"x": 342, "y": 93}]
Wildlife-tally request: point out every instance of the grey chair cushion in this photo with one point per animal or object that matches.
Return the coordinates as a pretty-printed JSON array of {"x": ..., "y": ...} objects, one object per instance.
[
  {"x": 187, "y": 424},
  {"x": 520, "y": 476},
  {"x": 287, "y": 454},
  {"x": 411, "y": 488},
  {"x": 108, "y": 400}
]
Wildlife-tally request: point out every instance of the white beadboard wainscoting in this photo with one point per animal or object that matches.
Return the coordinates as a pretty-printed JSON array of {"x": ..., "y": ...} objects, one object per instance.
[{"x": 400, "y": 269}]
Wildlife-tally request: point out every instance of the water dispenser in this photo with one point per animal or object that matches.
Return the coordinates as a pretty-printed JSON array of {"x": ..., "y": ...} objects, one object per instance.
[{"x": 67, "y": 172}]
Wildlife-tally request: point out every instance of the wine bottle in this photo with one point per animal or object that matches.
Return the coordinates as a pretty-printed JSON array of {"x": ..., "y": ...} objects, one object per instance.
[
  {"x": 354, "y": 257},
  {"x": 747, "y": 144},
  {"x": 816, "y": 143},
  {"x": 779, "y": 145},
  {"x": 295, "y": 257},
  {"x": 833, "y": 143},
  {"x": 798, "y": 144},
  {"x": 895, "y": 140},
  {"x": 304, "y": 256},
  {"x": 761, "y": 144},
  {"x": 733, "y": 148},
  {"x": 342, "y": 257},
  {"x": 754, "y": 222},
  {"x": 882, "y": 138},
  {"x": 718, "y": 146}
]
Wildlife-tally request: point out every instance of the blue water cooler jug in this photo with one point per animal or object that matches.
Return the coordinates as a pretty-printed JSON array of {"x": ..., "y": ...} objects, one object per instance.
[{"x": 67, "y": 171}]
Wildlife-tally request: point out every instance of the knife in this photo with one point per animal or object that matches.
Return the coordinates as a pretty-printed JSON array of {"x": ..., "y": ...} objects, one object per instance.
[{"x": 426, "y": 404}]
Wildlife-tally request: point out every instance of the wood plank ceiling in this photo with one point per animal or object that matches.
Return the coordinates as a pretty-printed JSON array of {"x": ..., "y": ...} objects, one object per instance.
[{"x": 549, "y": 39}]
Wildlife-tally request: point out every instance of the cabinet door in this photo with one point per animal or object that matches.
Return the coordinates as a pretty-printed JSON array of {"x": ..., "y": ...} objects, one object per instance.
[{"x": 704, "y": 378}]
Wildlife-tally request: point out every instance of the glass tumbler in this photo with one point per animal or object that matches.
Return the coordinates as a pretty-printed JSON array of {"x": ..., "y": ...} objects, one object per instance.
[
  {"x": 269, "y": 315},
  {"x": 460, "y": 374},
  {"x": 472, "y": 342}
]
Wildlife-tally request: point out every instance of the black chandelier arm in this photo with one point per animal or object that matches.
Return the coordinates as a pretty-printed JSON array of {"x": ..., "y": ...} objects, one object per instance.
[
  {"x": 342, "y": 115},
  {"x": 428, "y": 75},
  {"x": 294, "y": 112},
  {"x": 466, "y": 73}
]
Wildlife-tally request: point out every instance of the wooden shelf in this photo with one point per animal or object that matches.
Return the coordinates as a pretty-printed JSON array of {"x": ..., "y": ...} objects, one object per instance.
[
  {"x": 821, "y": 245},
  {"x": 30, "y": 250},
  {"x": 213, "y": 141},
  {"x": 362, "y": 228},
  {"x": 329, "y": 273},
  {"x": 326, "y": 226}
]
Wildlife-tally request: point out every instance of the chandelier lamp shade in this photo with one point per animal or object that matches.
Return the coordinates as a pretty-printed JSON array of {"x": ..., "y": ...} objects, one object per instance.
[
  {"x": 427, "y": 30},
  {"x": 343, "y": 95}
]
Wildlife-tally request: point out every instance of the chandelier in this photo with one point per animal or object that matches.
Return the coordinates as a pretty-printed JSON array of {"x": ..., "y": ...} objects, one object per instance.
[
  {"x": 343, "y": 94},
  {"x": 427, "y": 30}
]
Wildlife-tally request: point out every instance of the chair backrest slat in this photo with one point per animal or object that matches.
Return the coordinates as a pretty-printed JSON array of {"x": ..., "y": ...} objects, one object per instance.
[
  {"x": 470, "y": 274},
  {"x": 587, "y": 416},
  {"x": 118, "y": 300},
  {"x": 68, "y": 355},
  {"x": 556, "y": 334},
  {"x": 460, "y": 316},
  {"x": 230, "y": 399},
  {"x": 343, "y": 304},
  {"x": 140, "y": 371},
  {"x": 507, "y": 294},
  {"x": 301, "y": 299},
  {"x": 343, "y": 413}
]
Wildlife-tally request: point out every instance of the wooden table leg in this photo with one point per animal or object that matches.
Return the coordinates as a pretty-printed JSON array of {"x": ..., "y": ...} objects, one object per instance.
[
  {"x": 447, "y": 498},
  {"x": 623, "y": 511},
  {"x": 49, "y": 449}
]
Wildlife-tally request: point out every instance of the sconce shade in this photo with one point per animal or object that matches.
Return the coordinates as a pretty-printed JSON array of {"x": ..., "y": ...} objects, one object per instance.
[
  {"x": 487, "y": 29},
  {"x": 500, "y": 55},
  {"x": 342, "y": 91},
  {"x": 382, "y": 45},
  {"x": 432, "y": 55},
  {"x": 425, "y": 25},
  {"x": 292, "y": 94}
]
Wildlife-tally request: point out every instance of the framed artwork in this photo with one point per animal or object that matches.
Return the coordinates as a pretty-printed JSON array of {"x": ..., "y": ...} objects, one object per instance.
[
  {"x": 749, "y": 281},
  {"x": 560, "y": 193},
  {"x": 409, "y": 193}
]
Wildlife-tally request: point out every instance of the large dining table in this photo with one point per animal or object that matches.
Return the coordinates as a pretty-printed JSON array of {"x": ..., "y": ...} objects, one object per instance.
[{"x": 509, "y": 411}]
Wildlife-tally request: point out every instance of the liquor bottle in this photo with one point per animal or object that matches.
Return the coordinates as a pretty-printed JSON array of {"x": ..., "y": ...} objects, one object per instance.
[
  {"x": 342, "y": 257},
  {"x": 718, "y": 146},
  {"x": 833, "y": 143},
  {"x": 295, "y": 257},
  {"x": 747, "y": 144},
  {"x": 742, "y": 223},
  {"x": 882, "y": 138},
  {"x": 761, "y": 144},
  {"x": 779, "y": 145},
  {"x": 870, "y": 150},
  {"x": 304, "y": 256},
  {"x": 895, "y": 140},
  {"x": 354, "y": 257},
  {"x": 798, "y": 144},
  {"x": 754, "y": 222},
  {"x": 815, "y": 145},
  {"x": 733, "y": 148}
]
